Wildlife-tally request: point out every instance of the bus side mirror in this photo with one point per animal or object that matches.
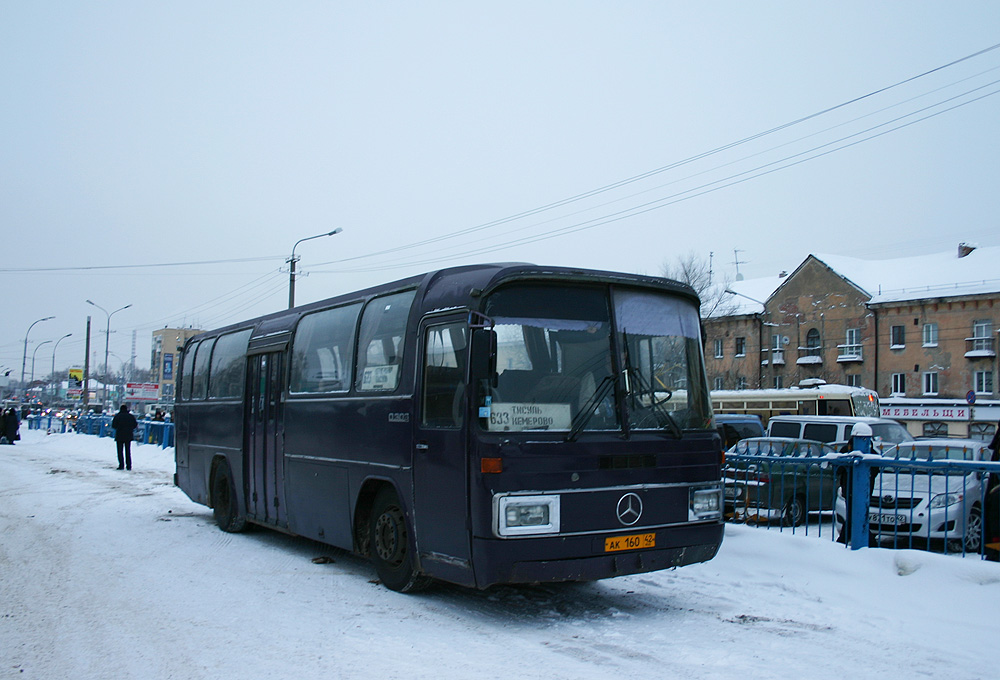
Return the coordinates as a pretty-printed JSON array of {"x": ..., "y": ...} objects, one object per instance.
[{"x": 484, "y": 355}]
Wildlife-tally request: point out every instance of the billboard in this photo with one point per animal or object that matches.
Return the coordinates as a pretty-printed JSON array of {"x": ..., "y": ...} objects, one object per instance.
[{"x": 142, "y": 391}]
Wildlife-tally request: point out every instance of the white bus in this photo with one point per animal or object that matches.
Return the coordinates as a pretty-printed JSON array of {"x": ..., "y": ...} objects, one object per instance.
[{"x": 809, "y": 398}]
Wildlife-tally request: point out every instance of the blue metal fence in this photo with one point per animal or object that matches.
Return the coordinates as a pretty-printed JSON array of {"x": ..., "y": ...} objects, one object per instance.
[
  {"x": 933, "y": 495},
  {"x": 148, "y": 431}
]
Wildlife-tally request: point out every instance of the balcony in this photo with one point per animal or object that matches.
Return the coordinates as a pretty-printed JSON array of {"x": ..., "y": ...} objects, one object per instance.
[
  {"x": 979, "y": 348},
  {"x": 809, "y": 356},
  {"x": 849, "y": 353}
]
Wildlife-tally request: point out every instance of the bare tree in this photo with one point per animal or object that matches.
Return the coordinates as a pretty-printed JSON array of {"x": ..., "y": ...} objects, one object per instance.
[{"x": 697, "y": 273}]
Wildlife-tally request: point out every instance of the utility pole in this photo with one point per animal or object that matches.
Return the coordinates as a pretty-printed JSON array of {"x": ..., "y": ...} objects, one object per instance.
[{"x": 86, "y": 369}]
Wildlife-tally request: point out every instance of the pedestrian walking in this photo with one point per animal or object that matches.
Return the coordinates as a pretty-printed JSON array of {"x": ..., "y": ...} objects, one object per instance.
[{"x": 124, "y": 424}]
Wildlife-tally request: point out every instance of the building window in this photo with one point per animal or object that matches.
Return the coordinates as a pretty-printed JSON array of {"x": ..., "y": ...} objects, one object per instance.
[
  {"x": 779, "y": 382},
  {"x": 935, "y": 429},
  {"x": 983, "y": 382},
  {"x": 776, "y": 349},
  {"x": 741, "y": 383},
  {"x": 897, "y": 337},
  {"x": 853, "y": 380},
  {"x": 741, "y": 347},
  {"x": 981, "y": 335},
  {"x": 851, "y": 349},
  {"x": 930, "y": 335},
  {"x": 931, "y": 382},
  {"x": 718, "y": 349},
  {"x": 812, "y": 343},
  {"x": 982, "y": 431},
  {"x": 898, "y": 383},
  {"x": 718, "y": 383}
]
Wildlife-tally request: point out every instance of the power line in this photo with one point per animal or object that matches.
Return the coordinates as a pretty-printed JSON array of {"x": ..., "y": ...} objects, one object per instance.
[{"x": 650, "y": 173}]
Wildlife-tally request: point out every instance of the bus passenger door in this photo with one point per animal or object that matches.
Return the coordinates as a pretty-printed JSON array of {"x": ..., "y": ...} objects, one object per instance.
[
  {"x": 440, "y": 455},
  {"x": 265, "y": 455}
]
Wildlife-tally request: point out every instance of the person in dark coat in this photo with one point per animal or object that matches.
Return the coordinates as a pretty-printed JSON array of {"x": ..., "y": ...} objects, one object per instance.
[
  {"x": 124, "y": 424},
  {"x": 10, "y": 425}
]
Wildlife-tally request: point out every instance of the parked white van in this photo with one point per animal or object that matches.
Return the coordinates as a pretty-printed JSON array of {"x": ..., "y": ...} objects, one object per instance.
[{"x": 836, "y": 430}]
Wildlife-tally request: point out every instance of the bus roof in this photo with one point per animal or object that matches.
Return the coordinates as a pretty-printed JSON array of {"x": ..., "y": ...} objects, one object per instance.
[{"x": 454, "y": 287}]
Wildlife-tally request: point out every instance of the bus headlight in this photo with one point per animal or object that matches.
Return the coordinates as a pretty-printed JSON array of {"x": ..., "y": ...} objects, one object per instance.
[
  {"x": 527, "y": 515},
  {"x": 705, "y": 503}
]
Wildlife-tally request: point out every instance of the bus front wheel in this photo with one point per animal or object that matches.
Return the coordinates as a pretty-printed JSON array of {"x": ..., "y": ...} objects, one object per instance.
[
  {"x": 224, "y": 501},
  {"x": 390, "y": 544}
]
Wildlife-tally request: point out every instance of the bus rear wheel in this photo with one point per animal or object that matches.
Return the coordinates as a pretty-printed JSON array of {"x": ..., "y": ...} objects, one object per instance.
[
  {"x": 389, "y": 541},
  {"x": 224, "y": 501}
]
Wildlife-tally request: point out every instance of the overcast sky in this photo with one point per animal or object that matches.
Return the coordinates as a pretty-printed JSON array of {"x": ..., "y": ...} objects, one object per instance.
[{"x": 140, "y": 133}]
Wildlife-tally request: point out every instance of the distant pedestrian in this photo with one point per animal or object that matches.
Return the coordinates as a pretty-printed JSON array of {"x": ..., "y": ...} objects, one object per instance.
[
  {"x": 9, "y": 426},
  {"x": 124, "y": 424}
]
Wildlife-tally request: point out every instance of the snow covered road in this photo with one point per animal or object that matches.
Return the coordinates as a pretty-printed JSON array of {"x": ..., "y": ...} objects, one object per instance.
[{"x": 111, "y": 574}]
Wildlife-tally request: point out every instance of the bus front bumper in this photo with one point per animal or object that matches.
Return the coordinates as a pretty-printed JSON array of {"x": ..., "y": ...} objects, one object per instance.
[{"x": 583, "y": 558}]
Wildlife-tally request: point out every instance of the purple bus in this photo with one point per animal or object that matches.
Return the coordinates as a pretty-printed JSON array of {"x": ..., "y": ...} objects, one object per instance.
[{"x": 503, "y": 423}]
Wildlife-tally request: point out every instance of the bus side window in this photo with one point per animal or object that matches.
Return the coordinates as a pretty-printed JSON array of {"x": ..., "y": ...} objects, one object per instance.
[
  {"x": 199, "y": 378},
  {"x": 228, "y": 366},
  {"x": 381, "y": 341},
  {"x": 187, "y": 371},
  {"x": 323, "y": 349}
]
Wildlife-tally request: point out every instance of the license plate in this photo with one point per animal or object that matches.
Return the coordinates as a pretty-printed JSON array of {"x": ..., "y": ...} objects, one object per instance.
[
  {"x": 633, "y": 542},
  {"x": 878, "y": 518}
]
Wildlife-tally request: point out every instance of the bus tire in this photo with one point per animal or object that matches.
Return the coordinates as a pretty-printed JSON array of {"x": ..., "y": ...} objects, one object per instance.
[
  {"x": 389, "y": 541},
  {"x": 224, "y": 501}
]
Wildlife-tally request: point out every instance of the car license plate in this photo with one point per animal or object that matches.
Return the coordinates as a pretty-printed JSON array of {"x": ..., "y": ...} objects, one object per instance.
[
  {"x": 879, "y": 518},
  {"x": 633, "y": 542}
]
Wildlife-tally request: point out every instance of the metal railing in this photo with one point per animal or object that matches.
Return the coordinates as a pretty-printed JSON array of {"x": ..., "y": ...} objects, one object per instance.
[
  {"x": 148, "y": 431},
  {"x": 944, "y": 505}
]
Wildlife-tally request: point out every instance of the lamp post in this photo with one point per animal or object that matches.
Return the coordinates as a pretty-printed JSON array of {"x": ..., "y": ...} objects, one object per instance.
[
  {"x": 37, "y": 347},
  {"x": 24, "y": 360},
  {"x": 107, "y": 338},
  {"x": 292, "y": 260},
  {"x": 54, "y": 348}
]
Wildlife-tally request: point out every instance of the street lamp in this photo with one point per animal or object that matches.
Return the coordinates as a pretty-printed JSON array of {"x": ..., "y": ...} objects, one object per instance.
[
  {"x": 37, "y": 347},
  {"x": 292, "y": 260},
  {"x": 24, "y": 360},
  {"x": 107, "y": 338},
  {"x": 54, "y": 348}
]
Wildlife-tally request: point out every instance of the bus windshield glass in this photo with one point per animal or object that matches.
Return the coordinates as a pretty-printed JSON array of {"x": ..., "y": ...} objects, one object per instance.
[
  {"x": 661, "y": 338},
  {"x": 553, "y": 359},
  {"x": 555, "y": 365}
]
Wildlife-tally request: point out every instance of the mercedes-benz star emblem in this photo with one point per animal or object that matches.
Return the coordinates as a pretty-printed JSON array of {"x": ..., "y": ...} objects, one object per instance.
[{"x": 629, "y": 509}]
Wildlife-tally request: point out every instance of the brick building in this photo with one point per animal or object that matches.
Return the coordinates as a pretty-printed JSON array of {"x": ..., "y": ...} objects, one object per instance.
[
  {"x": 921, "y": 331},
  {"x": 167, "y": 345}
]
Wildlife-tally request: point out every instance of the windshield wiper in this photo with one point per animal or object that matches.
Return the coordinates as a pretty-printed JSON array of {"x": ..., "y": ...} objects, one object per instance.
[
  {"x": 587, "y": 411},
  {"x": 644, "y": 388}
]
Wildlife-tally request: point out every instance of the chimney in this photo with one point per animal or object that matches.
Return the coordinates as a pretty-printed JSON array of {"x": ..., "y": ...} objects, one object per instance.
[{"x": 964, "y": 249}]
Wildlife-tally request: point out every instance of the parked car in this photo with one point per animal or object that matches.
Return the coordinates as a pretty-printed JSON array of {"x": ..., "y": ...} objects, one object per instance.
[
  {"x": 787, "y": 490},
  {"x": 733, "y": 427},
  {"x": 836, "y": 430},
  {"x": 927, "y": 504}
]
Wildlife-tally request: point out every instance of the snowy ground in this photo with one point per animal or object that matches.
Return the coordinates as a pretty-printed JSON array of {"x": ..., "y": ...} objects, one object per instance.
[{"x": 109, "y": 574}]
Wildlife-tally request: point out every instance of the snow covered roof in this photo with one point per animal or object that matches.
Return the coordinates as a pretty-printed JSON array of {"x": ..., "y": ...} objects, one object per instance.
[
  {"x": 896, "y": 280},
  {"x": 923, "y": 276}
]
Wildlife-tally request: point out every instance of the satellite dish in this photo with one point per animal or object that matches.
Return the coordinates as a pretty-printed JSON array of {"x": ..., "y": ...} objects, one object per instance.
[{"x": 785, "y": 340}]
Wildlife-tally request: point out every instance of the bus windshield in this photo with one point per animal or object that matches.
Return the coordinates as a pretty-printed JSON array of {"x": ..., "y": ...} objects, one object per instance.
[
  {"x": 555, "y": 367},
  {"x": 553, "y": 358},
  {"x": 661, "y": 339}
]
